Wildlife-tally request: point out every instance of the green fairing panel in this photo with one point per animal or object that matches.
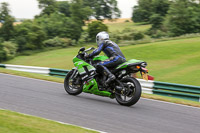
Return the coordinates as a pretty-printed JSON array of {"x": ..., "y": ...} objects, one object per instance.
[
  {"x": 79, "y": 65},
  {"x": 125, "y": 64},
  {"x": 75, "y": 59},
  {"x": 100, "y": 57},
  {"x": 92, "y": 87}
]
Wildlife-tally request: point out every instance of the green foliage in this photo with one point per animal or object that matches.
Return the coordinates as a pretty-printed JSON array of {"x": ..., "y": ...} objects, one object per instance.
[
  {"x": 58, "y": 42},
  {"x": 126, "y": 35},
  {"x": 183, "y": 17},
  {"x": 84, "y": 38},
  {"x": 4, "y": 11},
  {"x": 94, "y": 28},
  {"x": 156, "y": 21},
  {"x": 29, "y": 36},
  {"x": 7, "y": 30},
  {"x": 147, "y": 8},
  {"x": 80, "y": 12},
  {"x": 143, "y": 11},
  {"x": 103, "y": 9},
  {"x": 7, "y": 50},
  {"x": 64, "y": 7},
  {"x": 47, "y": 6},
  {"x": 59, "y": 25},
  {"x": 138, "y": 36},
  {"x": 169, "y": 17},
  {"x": 156, "y": 30},
  {"x": 160, "y": 7},
  {"x": 2, "y": 53}
]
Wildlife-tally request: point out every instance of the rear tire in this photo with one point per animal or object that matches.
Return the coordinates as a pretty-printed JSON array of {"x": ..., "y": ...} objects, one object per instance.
[
  {"x": 133, "y": 95},
  {"x": 70, "y": 87}
]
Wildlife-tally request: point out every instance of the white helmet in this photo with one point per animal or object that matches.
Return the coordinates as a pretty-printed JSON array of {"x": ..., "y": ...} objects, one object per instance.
[{"x": 101, "y": 36}]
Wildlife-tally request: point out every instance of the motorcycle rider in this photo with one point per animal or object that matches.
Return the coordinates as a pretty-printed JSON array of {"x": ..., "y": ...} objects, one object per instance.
[{"x": 112, "y": 50}]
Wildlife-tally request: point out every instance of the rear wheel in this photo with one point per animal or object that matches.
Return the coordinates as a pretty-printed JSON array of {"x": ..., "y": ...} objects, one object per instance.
[
  {"x": 131, "y": 92},
  {"x": 72, "y": 83}
]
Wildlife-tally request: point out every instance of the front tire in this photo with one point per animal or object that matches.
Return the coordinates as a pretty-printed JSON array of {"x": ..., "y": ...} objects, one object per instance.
[
  {"x": 71, "y": 87},
  {"x": 132, "y": 93}
]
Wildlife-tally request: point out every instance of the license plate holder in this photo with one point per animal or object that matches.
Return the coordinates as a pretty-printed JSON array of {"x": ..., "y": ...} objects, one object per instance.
[{"x": 145, "y": 76}]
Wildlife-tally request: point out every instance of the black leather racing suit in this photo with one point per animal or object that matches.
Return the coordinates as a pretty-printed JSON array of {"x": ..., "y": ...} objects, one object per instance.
[{"x": 112, "y": 50}]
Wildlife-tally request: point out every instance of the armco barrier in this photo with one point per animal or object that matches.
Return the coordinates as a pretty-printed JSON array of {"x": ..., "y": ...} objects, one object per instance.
[
  {"x": 58, "y": 72},
  {"x": 41, "y": 70},
  {"x": 177, "y": 90},
  {"x": 152, "y": 87},
  {"x": 2, "y": 65}
]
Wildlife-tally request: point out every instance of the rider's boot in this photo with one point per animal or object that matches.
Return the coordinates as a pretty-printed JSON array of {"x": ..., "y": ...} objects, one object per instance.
[{"x": 110, "y": 76}]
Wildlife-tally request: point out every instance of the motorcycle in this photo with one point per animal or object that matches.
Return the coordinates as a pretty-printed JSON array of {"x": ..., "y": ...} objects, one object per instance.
[{"x": 84, "y": 78}]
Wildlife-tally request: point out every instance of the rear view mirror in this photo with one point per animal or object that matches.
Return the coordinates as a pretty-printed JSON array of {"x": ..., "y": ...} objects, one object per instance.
[{"x": 82, "y": 49}]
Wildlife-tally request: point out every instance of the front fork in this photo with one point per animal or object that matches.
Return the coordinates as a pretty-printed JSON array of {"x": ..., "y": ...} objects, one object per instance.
[{"x": 74, "y": 75}]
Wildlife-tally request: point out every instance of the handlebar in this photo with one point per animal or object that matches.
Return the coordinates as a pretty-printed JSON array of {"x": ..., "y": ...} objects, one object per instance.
[{"x": 91, "y": 48}]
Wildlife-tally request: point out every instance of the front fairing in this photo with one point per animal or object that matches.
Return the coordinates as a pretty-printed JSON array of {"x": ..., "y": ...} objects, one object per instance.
[
  {"x": 87, "y": 73},
  {"x": 77, "y": 58}
]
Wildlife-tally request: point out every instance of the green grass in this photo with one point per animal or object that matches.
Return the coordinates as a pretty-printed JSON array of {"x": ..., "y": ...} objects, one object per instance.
[
  {"x": 114, "y": 27},
  {"x": 175, "y": 61},
  {"x": 12, "y": 122},
  {"x": 171, "y": 99}
]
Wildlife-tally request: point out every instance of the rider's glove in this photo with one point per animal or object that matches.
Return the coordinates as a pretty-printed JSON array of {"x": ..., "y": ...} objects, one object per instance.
[{"x": 86, "y": 55}]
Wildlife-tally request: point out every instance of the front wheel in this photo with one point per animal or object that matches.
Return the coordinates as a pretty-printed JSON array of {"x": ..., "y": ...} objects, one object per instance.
[
  {"x": 131, "y": 92},
  {"x": 72, "y": 83}
]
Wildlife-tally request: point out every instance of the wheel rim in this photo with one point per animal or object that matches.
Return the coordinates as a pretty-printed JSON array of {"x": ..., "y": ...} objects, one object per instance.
[
  {"x": 71, "y": 86},
  {"x": 128, "y": 93}
]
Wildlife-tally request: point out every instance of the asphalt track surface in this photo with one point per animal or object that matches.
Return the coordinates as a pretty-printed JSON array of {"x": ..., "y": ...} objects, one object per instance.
[{"x": 49, "y": 100}]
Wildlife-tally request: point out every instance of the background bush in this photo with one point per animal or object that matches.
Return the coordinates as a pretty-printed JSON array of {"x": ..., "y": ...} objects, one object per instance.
[
  {"x": 7, "y": 50},
  {"x": 58, "y": 42}
]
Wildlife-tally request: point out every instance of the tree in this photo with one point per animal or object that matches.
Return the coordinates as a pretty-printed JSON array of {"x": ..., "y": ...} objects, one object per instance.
[
  {"x": 183, "y": 18},
  {"x": 47, "y": 6},
  {"x": 58, "y": 24},
  {"x": 4, "y": 12},
  {"x": 79, "y": 12},
  {"x": 103, "y": 9},
  {"x": 159, "y": 11},
  {"x": 64, "y": 7},
  {"x": 94, "y": 28},
  {"x": 160, "y": 7},
  {"x": 143, "y": 11},
  {"x": 156, "y": 21},
  {"x": 146, "y": 8},
  {"x": 29, "y": 35},
  {"x": 7, "y": 30}
]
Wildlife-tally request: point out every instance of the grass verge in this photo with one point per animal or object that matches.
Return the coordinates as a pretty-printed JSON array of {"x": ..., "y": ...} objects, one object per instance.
[
  {"x": 12, "y": 122},
  {"x": 61, "y": 80},
  {"x": 171, "y": 99}
]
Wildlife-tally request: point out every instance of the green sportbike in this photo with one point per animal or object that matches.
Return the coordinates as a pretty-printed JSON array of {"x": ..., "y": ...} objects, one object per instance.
[{"x": 84, "y": 78}]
